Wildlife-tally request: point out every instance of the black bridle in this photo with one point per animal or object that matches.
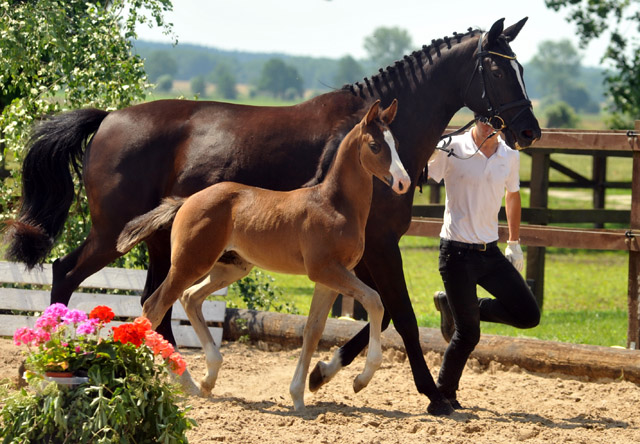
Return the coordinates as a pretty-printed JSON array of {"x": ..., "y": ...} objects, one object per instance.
[{"x": 494, "y": 118}]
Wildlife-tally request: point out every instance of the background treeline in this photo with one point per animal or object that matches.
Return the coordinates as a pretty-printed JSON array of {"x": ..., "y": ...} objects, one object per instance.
[{"x": 578, "y": 86}]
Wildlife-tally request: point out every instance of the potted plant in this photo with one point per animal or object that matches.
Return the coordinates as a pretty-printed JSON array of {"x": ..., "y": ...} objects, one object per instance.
[{"x": 119, "y": 388}]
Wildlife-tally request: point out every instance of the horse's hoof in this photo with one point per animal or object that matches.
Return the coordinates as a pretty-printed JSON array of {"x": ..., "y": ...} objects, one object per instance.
[
  {"x": 358, "y": 384},
  {"x": 440, "y": 408},
  {"x": 298, "y": 406},
  {"x": 316, "y": 378},
  {"x": 205, "y": 390}
]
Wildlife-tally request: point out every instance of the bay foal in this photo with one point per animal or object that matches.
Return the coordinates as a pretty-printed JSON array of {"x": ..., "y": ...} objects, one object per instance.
[{"x": 221, "y": 232}]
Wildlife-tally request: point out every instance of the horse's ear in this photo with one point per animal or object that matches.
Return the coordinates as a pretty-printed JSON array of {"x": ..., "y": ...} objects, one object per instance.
[
  {"x": 495, "y": 32},
  {"x": 389, "y": 114},
  {"x": 512, "y": 31},
  {"x": 372, "y": 114}
]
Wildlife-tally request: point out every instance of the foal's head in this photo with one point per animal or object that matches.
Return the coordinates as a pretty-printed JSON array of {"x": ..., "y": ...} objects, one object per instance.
[{"x": 378, "y": 153}]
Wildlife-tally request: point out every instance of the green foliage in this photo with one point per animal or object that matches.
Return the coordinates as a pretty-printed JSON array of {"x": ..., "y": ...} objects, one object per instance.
[
  {"x": 386, "y": 45},
  {"x": 160, "y": 63},
  {"x": 164, "y": 82},
  {"x": 198, "y": 86},
  {"x": 225, "y": 82},
  {"x": 257, "y": 292},
  {"x": 619, "y": 20},
  {"x": 61, "y": 55},
  {"x": 279, "y": 79},
  {"x": 561, "y": 115},
  {"x": 349, "y": 71}
]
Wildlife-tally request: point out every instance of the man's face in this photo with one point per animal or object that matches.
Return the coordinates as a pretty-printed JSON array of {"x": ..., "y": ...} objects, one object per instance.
[{"x": 483, "y": 129}]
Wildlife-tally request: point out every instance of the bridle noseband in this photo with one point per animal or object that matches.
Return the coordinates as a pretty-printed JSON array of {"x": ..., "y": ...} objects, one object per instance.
[{"x": 494, "y": 118}]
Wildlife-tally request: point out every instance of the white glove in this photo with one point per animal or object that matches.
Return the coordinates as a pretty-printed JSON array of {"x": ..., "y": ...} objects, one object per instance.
[{"x": 513, "y": 253}]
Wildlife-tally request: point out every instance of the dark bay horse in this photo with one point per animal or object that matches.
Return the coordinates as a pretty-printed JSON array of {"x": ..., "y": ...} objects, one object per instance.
[
  {"x": 140, "y": 154},
  {"x": 317, "y": 231}
]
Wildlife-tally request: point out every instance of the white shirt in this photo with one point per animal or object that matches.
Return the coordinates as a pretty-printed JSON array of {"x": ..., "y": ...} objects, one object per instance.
[{"x": 474, "y": 188}]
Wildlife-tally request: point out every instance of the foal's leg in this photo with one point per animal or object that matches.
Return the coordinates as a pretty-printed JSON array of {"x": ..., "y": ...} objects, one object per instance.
[
  {"x": 221, "y": 275},
  {"x": 343, "y": 281},
  {"x": 324, "y": 372},
  {"x": 321, "y": 303}
]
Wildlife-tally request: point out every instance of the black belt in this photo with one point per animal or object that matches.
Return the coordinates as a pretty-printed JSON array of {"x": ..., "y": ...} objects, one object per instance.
[{"x": 463, "y": 245}]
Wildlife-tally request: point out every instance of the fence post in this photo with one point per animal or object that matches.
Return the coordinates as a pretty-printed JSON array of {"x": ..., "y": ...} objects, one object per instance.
[
  {"x": 633, "y": 330},
  {"x": 599, "y": 174},
  {"x": 539, "y": 187}
]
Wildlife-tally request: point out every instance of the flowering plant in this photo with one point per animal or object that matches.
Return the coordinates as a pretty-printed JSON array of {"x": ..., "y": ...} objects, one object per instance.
[{"x": 128, "y": 397}]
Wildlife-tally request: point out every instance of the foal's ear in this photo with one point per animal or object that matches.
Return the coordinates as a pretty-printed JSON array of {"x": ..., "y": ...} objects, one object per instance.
[
  {"x": 495, "y": 32},
  {"x": 512, "y": 31},
  {"x": 372, "y": 114},
  {"x": 389, "y": 114}
]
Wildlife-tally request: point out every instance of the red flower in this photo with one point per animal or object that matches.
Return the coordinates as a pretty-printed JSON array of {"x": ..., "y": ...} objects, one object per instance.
[
  {"x": 102, "y": 313},
  {"x": 126, "y": 333}
]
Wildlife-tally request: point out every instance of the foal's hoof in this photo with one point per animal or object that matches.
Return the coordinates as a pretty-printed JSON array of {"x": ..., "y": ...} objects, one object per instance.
[
  {"x": 359, "y": 384},
  {"x": 316, "y": 378},
  {"x": 440, "y": 408}
]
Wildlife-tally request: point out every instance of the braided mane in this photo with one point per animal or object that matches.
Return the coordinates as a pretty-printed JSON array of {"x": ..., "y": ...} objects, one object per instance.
[{"x": 390, "y": 74}]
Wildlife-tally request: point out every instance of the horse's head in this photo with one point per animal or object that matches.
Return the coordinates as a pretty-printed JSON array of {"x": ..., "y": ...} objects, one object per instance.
[
  {"x": 496, "y": 88},
  {"x": 378, "y": 147}
]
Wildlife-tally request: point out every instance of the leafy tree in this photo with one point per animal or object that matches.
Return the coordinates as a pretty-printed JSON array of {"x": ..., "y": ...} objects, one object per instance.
[
  {"x": 160, "y": 63},
  {"x": 386, "y": 45},
  {"x": 57, "y": 55},
  {"x": 561, "y": 115},
  {"x": 164, "y": 83},
  {"x": 619, "y": 20},
  {"x": 225, "y": 82},
  {"x": 349, "y": 71},
  {"x": 557, "y": 72},
  {"x": 199, "y": 86},
  {"x": 278, "y": 77}
]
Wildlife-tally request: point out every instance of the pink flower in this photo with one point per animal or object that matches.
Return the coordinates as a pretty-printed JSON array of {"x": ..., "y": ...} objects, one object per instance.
[
  {"x": 87, "y": 327},
  {"x": 24, "y": 335},
  {"x": 143, "y": 322},
  {"x": 74, "y": 317},
  {"x": 47, "y": 322},
  {"x": 57, "y": 311},
  {"x": 158, "y": 344}
]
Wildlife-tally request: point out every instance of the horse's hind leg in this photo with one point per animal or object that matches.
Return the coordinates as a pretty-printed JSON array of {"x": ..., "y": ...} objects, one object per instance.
[
  {"x": 227, "y": 270},
  {"x": 323, "y": 298},
  {"x": 93, "y": 254}
]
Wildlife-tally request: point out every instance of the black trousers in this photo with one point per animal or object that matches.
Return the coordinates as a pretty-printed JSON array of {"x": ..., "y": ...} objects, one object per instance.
[{"x": 462, "y": 270}]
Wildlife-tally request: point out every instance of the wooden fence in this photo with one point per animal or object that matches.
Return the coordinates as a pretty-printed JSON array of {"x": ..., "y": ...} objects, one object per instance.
[{"x": 539, "y": 233}]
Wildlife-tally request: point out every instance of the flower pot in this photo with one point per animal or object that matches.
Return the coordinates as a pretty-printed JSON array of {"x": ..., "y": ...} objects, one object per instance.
[{"x": 65, "y": 378}]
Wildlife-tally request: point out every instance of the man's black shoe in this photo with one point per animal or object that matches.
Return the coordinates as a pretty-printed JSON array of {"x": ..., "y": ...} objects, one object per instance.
[{"x": 447, "y": 326}]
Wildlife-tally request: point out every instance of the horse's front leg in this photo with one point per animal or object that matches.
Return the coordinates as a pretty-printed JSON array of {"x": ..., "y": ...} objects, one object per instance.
[
  {"x": 348, "y": 284},
  {"x": 324, "y": 372},
  {"x": 321, "y": 303},
  {"x": 223, "y": 274}
]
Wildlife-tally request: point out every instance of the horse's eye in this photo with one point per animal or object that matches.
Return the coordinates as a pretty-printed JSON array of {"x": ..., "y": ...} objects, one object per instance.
[
  {"x": 496, "y": 72},
  {"x": 375, "y": 148}
]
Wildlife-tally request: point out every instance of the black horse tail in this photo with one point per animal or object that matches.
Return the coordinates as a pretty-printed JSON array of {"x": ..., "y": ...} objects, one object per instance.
[
  {"x": 56, "y": 145},
  {"x": 161, "y": 217}
]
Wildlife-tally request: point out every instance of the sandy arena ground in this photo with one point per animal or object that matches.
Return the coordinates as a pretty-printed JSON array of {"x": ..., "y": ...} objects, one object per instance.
[{"x": 251, "y": 404}]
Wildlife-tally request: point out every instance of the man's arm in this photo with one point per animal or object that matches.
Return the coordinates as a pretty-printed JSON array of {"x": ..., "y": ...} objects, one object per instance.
[{"x": 513, "y": 208}]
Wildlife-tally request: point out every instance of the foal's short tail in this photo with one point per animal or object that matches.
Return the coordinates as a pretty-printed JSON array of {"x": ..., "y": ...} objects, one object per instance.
[
  {"x": 146, "y": 224},
  {"x": 55, "y": 147}
]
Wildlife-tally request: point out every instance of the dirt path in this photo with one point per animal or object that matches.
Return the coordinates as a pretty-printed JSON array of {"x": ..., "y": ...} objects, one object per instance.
[{"x": 251, "y": 404}]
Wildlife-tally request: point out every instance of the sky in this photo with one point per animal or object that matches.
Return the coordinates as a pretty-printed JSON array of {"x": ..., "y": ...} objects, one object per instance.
[{"x": 321, "y": 28}]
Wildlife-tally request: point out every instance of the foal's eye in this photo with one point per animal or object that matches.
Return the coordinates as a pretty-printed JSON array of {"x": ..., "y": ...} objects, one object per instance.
[
  {"x": 496, "y": 72},
  {"x": 375, "y": 148}
]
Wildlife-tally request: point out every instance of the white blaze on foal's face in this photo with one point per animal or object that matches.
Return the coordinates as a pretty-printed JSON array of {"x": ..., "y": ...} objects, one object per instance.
[
  {"x": 516, "y": 68},
  {"x": 401, "y": 180}
]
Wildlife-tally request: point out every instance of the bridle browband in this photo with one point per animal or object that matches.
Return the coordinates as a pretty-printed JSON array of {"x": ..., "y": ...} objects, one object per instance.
[{"x": 494, "y": 119}]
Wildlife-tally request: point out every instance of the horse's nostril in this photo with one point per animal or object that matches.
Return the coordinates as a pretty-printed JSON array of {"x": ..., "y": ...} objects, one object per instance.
[{"x": 400, "y": 186}]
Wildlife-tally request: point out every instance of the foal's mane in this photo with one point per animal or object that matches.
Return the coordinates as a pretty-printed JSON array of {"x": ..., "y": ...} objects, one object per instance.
[
  {"x": 339, "y": 132},
  {"x": 389, "y": 78}
]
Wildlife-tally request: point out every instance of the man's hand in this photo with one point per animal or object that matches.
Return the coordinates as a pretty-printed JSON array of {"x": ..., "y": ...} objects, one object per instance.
[{"x": 513, "y": 253}]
